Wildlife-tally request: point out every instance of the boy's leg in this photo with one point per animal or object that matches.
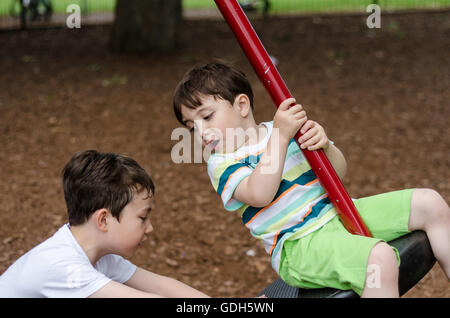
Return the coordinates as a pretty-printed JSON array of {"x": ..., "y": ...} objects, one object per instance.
[
  {"x": 367, "y": 265},
  {"x": 430, "y": 213},
  {"x": 382, "y": 273},
  {"x": 387, "y": 217},
  {"x": 332, "y": 257}
]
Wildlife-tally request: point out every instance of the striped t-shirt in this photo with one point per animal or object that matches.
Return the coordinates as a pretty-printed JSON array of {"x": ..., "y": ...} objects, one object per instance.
[{"x": 299, "y": 207}]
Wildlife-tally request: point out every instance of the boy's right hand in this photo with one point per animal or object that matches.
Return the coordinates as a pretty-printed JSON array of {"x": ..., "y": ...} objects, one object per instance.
[{"x": 289, "y": 119}]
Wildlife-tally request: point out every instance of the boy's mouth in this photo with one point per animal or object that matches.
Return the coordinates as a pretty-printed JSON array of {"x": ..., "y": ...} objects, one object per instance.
[
  {"x": 212, "y": 144},
  {"x": 142, "y": 241}
]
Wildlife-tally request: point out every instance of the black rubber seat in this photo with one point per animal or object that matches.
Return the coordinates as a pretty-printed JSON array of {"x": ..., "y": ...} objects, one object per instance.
[{"x": 416, "y": 260}]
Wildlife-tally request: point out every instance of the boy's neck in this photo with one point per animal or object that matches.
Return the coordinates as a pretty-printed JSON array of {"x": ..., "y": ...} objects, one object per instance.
[
  {"x": 88, "y": 241},
  {"x": 260, "y": 130}
]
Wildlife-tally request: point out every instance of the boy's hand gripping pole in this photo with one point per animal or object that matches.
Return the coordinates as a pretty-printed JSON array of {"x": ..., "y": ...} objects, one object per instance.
[{"x": 274, "y": 84}]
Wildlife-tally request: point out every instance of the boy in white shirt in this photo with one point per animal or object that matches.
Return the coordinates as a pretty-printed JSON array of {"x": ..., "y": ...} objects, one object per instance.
[{"x": 109, "y": 198}]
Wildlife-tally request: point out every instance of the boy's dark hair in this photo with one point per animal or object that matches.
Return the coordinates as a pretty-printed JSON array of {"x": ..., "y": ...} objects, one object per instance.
[
  {"x": 215, "y": 79},
  {"x": 94, "y": 180}
]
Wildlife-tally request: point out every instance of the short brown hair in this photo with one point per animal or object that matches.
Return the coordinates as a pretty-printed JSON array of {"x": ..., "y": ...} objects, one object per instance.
[
  {"x": 94, "y": 180},
  {"x": 216, "y": 79}
]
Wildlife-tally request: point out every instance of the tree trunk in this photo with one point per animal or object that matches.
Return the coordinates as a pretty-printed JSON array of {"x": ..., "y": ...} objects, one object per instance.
[{"x": 146, "y": 25}]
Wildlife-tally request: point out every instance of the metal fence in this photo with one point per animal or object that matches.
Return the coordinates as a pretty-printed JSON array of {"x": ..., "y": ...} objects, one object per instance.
[
  {"x": 101, "y": 11},
  {"x": 301, "y": 6}
]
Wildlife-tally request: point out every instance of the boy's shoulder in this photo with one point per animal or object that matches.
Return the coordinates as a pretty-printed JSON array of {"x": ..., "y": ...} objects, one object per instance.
[
  {"x": 54, "y": 249},
  {"x": 243, "y": 151},
  {"x": 27, "y": 275},
  {"x": 59, "y": 249},
  {"x": 48, "y": 269},
  {"x": 246, "y": 155}
]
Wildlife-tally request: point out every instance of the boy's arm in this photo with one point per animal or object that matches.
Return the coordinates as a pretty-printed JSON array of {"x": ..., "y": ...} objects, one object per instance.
[
  {"x": 314, "y": 138},
  {"x": 117, "y": 290},
  {"x": 260, "y": 187},
  {"x": 162, "y": 285},
  {"x": 337, "y": 160},
  {"x": 145, "y": 284}
]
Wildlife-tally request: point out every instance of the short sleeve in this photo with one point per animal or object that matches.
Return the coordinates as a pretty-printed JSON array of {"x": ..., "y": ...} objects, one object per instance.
[
  {"x": 226, "y": 174},
  {"x": 59, "y": 268},
  {"x": 116, "y": 268},
  {"x": 71, "y": 279}
]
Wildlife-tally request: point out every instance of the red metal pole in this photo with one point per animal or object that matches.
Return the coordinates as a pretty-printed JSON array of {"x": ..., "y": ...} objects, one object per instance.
[{"x": 274, "y": 84}]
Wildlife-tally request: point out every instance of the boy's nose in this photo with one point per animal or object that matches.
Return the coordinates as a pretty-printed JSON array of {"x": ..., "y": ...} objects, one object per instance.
[
  {"x": 200, "y": 131},
  {"x": 149, "y": 228},
  {"x": 203, "y": 135}
]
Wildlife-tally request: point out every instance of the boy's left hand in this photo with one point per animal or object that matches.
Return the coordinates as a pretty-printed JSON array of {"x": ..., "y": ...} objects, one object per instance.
[{"x": 313, "y": 136}]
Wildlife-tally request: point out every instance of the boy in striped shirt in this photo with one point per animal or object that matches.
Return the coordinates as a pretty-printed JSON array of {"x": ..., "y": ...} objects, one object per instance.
[{"x": 259, "y": 171}]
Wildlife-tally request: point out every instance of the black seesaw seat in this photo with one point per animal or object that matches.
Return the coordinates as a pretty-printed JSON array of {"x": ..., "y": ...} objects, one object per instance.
[{"x": 416, "y": 260}]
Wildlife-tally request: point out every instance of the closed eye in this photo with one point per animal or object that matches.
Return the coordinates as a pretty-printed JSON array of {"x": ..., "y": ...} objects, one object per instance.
[{"x": 145, "y": 217}]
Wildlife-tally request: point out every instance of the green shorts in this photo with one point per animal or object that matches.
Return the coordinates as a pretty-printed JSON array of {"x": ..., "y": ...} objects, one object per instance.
[{"x": 332, "y": 257}]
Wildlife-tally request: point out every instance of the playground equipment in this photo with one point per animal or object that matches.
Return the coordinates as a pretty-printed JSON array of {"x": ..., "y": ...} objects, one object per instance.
[
  {"x": 279, "y": 92},
  {"x": 414, "y": 246},
  {"x": 416, "y": 259}
]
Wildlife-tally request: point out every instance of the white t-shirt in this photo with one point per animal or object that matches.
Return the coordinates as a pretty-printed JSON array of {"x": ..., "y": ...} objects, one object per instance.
[{"x": 58, "y": 267}]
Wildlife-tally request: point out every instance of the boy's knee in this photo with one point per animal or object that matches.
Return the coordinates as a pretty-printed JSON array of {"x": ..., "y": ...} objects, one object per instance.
[
  {"x": 430, "y": 204},
  {"x": 384, "y": 257},
  {"x": 382, "y": 272},
  {"x": 429, "y": 196}
]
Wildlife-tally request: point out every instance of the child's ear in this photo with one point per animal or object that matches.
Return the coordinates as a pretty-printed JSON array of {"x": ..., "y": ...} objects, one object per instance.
[
  {"x": 101, "y": 219},
  {"x": 242, "y": 103}
]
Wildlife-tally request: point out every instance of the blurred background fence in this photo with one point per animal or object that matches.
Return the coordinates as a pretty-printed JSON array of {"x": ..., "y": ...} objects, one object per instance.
[
  {"x": 102, "y": 11},
  {"x": 325, "y": 6}
]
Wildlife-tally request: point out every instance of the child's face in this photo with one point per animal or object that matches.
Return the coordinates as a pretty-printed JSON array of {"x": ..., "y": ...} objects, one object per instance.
[
  {"x": 128, "y": 234},
  {"x": 210, "y": 123}
]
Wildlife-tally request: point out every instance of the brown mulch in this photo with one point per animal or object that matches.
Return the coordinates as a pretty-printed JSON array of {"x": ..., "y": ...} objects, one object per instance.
[{"x": 382, "y": 96}]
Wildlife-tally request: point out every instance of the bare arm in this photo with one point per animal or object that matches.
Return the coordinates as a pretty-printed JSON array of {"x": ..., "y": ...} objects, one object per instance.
[
  {"x": 145, "y": 284},
  {"x": 260, "y": 187},
  {"x": 337, "y": 160},
  {"x": 314, "y": 137},
  {"x": 117, "y": 290},
  {"x": 162, "y": 285}
]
